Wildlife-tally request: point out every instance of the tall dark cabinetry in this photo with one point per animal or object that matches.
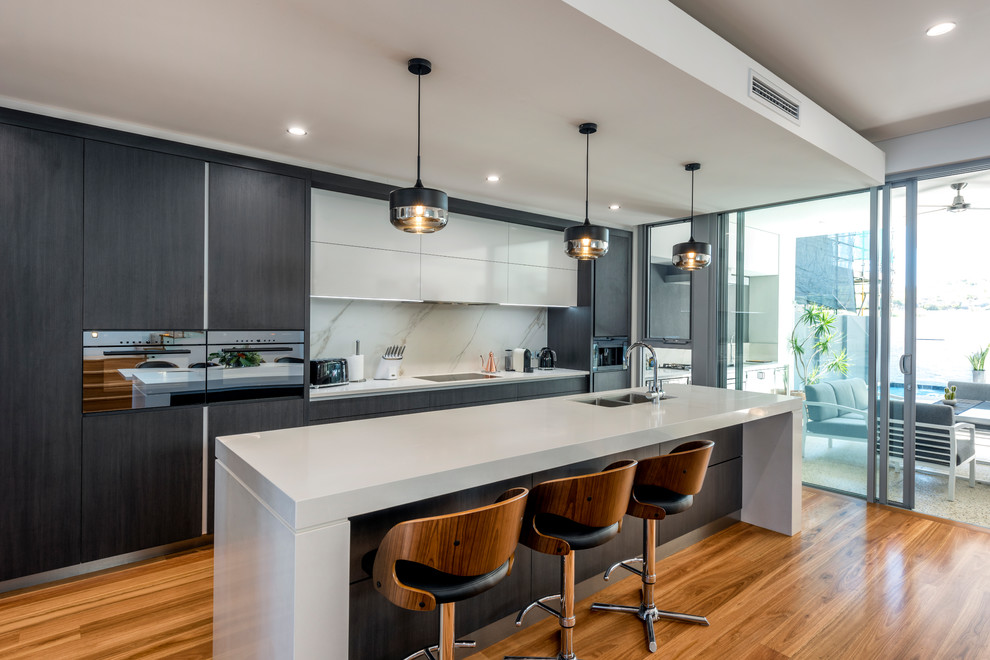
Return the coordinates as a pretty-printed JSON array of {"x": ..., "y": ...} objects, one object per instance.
[
  {"x": 144, "y": 239},
  {"x": 258, "y": 248},
  {"x": 142, "y": 480},
  {"x": 41, "y": 186},
  {"x": 603, "y": 310}
]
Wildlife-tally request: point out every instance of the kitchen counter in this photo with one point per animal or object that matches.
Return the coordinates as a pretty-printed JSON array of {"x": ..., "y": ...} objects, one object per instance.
[
  {"x": 412, "y": 383},
  {"x": 284, "y": 497}
]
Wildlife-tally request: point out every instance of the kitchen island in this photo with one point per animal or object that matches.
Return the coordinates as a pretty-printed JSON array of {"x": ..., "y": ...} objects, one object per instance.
[{"x": 285, "y": 499}]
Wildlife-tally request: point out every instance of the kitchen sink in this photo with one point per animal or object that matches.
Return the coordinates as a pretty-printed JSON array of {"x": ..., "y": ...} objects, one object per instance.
[{"x": 620, "y": 400}]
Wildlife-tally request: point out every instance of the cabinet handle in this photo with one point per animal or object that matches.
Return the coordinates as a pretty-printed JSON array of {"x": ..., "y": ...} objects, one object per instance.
[
  {"x": 257, "y": 349},
  {"x": 146, "y": 351}
]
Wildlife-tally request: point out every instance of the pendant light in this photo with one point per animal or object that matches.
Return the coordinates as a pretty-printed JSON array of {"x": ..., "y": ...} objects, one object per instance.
[
  {"x": 692, "y": 255},
  {"x": 418, "y": 210},
  {"x": 586, "y": 241}
]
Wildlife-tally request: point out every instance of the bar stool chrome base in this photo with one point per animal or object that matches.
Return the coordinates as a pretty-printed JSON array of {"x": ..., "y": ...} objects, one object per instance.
[
  {"x": 565, "y": 615},
  {"x": 428, "y": 652},
  {"x": 647, "y": 610}
]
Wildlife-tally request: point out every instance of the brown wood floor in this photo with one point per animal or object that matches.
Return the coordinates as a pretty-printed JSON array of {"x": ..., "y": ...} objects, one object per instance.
[{"x": 860, "y": 581}]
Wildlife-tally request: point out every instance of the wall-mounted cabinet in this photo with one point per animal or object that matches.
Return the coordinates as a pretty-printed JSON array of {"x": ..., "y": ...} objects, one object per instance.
[
  {"x": 356, "y": 253},
  {"x": 143, "y": 239}
]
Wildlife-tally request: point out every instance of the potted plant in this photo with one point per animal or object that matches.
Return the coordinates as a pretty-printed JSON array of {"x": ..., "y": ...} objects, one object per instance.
[
  {"x": 229, "y": 359},
  {"x": 813, "y": 343},
  {"x": 976, "y": 361},
  {"x": 950, "y": 396}
]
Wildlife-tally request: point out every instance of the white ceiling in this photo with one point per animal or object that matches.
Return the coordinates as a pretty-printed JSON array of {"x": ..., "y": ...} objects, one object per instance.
[
  {"x": 868, "y": 63},
  {"x": 511, "y": 81}
]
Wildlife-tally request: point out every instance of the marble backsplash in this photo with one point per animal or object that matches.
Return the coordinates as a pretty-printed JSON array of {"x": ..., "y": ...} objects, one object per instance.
[{"x": 439, "y": 338}]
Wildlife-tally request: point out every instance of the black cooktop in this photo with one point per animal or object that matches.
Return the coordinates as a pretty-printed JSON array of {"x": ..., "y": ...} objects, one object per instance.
[{"x": 446, "y": 378}]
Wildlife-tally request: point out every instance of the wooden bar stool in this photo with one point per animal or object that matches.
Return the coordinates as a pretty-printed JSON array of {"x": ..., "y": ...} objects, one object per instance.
[
  {"x": 446, "y": 559},
  {"x": 664, "y": 485},
  {"x": 571, "y": 514}
]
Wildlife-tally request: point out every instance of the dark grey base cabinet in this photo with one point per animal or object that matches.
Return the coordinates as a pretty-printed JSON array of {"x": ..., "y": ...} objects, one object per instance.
[
  {"x": 234, "y": 418},
  {"x": 333, "y": 409},
  {"x": 142, "y": 480},
  {"x": 41, "y": 186},
  {"x": 602, "y": 381}
]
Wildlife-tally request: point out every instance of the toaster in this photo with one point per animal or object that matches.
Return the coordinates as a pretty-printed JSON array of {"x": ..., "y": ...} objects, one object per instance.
[{"x": 328, "y": 372}]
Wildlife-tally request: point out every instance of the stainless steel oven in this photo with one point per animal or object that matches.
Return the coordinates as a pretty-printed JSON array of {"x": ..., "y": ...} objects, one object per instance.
[
  {"x": 130, "y": 369},
  {"x": 252, "y": 364},
  {"x": 609, "y": 353}
]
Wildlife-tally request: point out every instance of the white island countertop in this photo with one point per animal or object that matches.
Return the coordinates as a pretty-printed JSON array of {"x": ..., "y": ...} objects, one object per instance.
[
  {"x": 317, "y": 474},
  {"x": 418, "y": 383},
  {"x": 284, "y": 498}
]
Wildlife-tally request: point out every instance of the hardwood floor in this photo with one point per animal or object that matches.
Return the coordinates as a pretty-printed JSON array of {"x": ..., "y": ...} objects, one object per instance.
[
  {"x": 156, "y": 609},
  {"x": 860, "y": 581}
]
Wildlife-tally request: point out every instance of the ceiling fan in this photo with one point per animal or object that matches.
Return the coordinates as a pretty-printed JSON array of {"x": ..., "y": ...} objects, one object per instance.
[{"x": 958, "y": 203}]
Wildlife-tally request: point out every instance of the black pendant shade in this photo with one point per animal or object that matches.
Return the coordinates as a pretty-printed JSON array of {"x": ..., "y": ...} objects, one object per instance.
[
  {"x": 418, "y": 210},
  {"x": 692, "y": 254},
  {"x": 586, "y": 241}
]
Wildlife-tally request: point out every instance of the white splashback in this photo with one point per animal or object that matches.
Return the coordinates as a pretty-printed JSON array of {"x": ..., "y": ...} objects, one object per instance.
[{"x": 438, "y": 338}]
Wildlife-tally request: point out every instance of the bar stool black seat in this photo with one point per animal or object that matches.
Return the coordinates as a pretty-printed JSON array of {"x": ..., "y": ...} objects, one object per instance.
[
  {"x": 664, "y": 485},
  {"x": 570, "y": 514},
  {"x": 445, "y": 559}
]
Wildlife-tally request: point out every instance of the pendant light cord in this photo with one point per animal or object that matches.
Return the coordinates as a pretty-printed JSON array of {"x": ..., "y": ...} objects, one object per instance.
[
  {"x": 419, "y": 124},
  {"x": 587, "y": 159},
  {"x": 692, "y": 207}
]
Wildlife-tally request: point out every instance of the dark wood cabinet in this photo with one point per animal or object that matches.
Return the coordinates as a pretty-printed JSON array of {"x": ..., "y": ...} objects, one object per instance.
[
  {"x": 143, "y": 240},
  {"x": 602, "y": 381},
  {"x": 333, "y": 409},
  {"x": 613, "y": 288},
  {"x": 234, "y": 418},
  {"x": 258, "y": 248},
  {"x": 41, "y": 188},
  {"x": 142, "y": 480}
]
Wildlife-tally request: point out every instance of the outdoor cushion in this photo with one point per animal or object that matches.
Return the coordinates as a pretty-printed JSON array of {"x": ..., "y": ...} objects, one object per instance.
[
  {"x": 821, "y": 393},
  {"x": 843, "y": 393},
  {"x": 972, "y": 391},
  {"x": 860, "y": 393},
  {"x": 849, "y": 425},
  {"x": 925, "y": 413}
]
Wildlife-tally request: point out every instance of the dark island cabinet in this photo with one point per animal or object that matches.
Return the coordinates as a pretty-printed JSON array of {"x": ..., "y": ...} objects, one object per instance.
[
  {"x": 253, "y": 417},
  {"x": 258, "y": 247},
  {"x": 613, "y": 288},
  {"x": 144, "y": 239},
  {"x": 41, "y": 187},
  {"x": 142, "y": 480}
]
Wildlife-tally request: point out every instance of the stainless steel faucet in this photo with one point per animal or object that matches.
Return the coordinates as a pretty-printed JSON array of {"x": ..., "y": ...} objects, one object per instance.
[{"x": 653, "y": 391}]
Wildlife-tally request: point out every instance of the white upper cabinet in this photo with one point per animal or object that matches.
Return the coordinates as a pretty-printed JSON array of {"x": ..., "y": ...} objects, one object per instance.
[
  {"x": 536, "y": 285},
  {"x": 538, "y": 247},
  {"x": 356, "y": 253},
  {"x": 467, "y": 237},
  {"x": 347, "y": 271},
  {"x": 463, "y": 280},
  {"x": 361, "y": 221}
]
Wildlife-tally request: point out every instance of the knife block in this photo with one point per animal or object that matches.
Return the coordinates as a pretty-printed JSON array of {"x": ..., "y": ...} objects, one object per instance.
[{"x": 388, "y": 369}]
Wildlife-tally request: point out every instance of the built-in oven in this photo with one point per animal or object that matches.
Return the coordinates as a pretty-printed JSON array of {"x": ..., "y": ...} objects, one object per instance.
[
  {"x": 609, "y": 353},
  {"x": 129, "y": 369},
  {"x": 251, "y": 364}
]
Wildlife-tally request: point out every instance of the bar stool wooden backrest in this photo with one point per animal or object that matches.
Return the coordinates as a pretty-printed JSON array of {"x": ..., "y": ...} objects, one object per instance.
[
  {"x": 467, "y": 543},
  {"x": 681, "y": 471},
  {"x": 595, "y": 500}
]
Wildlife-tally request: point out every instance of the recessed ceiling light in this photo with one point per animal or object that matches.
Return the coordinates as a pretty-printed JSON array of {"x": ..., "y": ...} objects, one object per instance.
[
  {"x": 614, "y": 207},
  {"x": 493, "y": 178},
  {"x": 940, "y": 29},
  {"x": 297, "y": 130}
]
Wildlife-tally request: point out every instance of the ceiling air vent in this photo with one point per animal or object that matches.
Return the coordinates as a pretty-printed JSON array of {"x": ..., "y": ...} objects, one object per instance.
[{"x": 765, "y": 92}]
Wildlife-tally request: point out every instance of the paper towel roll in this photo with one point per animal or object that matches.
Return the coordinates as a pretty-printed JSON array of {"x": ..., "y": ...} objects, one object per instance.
[{"x": 355, "y": 368}]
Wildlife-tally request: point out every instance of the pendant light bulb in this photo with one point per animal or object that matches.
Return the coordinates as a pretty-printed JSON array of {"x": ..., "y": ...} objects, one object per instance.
[
  {"x": 586, "y": 241},
  {"x": 418, "y": 210},
  {"x": 692, "y": 255}
]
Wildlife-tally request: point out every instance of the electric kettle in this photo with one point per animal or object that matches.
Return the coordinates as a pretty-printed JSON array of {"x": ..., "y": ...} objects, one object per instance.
[{"x": 547, "y": 358}]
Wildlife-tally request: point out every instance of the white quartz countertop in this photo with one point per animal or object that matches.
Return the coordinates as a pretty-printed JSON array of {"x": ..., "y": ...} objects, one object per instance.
[
  {"x": 410, "y": 383},
  {"x": 310, "y": 476}
]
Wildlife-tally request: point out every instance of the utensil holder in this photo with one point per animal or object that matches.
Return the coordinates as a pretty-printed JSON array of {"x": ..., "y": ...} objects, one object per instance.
[{"x": 388, "y": 368}]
